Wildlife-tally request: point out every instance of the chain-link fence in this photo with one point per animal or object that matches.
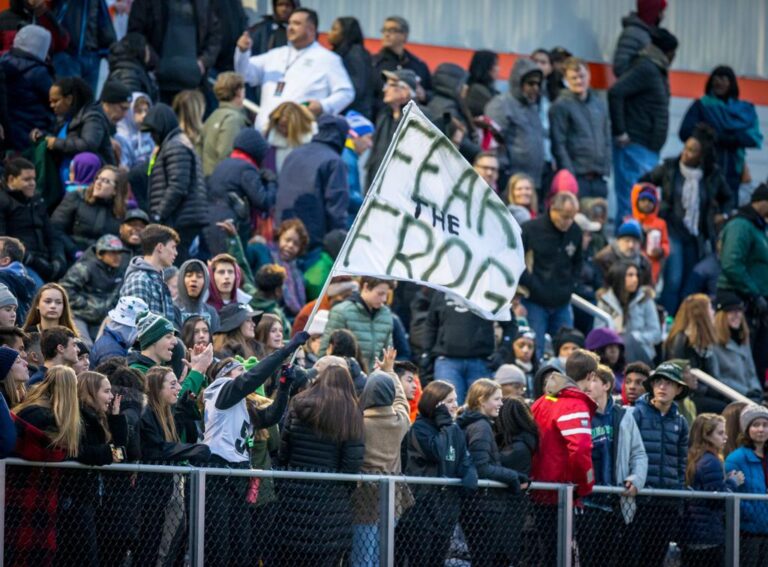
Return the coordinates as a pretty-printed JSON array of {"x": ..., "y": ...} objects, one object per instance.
[{"x": 140, "y": 515}]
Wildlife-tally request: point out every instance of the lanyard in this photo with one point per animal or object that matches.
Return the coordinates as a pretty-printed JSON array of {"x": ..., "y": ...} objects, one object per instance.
[{"x": 289, "y": 64}]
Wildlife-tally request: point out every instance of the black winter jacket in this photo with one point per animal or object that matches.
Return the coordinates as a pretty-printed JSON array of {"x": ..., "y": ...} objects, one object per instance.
[
  {"x": 639, "y": 100},
  {"x": 154, "y": 447},
  {"x": 28, "y": 81},
  {"x": 81, "y": 224},
  {"x": 150, "y": 19},
  {"x": 27, "y": 220},
  {"x": 666, "y": 442},
  {"x": 94, "y": 448},
  {"x": 126, "y": 68},
  {"x": 485, "y": 453},
  {"x": 301, "y": 447},
  {"x": 178, "y": 196},
  {"x": 715, "y": 197},
  {"x": 518, "y": 454},
  {"x": 93, "y": 288},
  {"x": 388, "y": 60},
  {"x": 357, "y": 62},
  {"x": 438, "y": 447},
  {"x": 454, "y": 331},
  {"x": 553, "y": 261},
  {"x": 88, "y": 131}
]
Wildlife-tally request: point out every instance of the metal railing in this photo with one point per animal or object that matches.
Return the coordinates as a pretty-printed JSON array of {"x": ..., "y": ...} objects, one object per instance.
[
  {"x": 723, "y": 389},
  {"x": 398, "y": 508},
  {"x": 580, "y": 303}
]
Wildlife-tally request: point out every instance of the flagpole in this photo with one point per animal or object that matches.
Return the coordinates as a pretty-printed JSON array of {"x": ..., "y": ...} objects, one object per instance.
[{"x": 374, "y": 189}]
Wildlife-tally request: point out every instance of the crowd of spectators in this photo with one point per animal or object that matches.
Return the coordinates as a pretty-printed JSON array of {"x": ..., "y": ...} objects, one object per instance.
[{"x": 162, "y": 249}]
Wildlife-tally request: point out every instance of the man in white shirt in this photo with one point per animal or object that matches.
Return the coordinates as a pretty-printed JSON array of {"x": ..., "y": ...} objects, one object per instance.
[{"x": 302, "y": 71}]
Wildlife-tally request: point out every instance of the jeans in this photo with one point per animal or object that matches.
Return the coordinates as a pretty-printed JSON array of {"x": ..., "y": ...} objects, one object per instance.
[
  {"x": 683, "y": 256},
  {"x": 86, "y": 66},
  {"x": 461, "y": 373},
  {"x": 365, "y": 546},
  {"x": 547, "y": 320},
  {"x": 592, "y": 187},
  {"x": 629, "y": 164}
]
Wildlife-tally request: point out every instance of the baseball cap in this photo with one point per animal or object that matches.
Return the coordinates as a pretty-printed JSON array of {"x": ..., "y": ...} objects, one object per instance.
[
  {"x": 136, "y": 214},
  {"x": 109, "y": 243},
  {"x": 403, "y": 76}
]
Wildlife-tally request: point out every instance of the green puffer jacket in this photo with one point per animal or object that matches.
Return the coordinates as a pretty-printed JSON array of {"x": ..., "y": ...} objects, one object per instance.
[
  {"x": 373, "y": 330},
  {"x": 744, "y": 254}
]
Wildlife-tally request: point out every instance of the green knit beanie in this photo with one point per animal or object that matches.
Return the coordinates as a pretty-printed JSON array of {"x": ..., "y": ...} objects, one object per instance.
[
  {"x": 249, "y": 363},
  {"x": 152, "y": 328}
]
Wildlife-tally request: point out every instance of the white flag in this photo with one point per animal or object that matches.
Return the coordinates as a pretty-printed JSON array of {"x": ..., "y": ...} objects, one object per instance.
[{"x": 431, "y": 219}]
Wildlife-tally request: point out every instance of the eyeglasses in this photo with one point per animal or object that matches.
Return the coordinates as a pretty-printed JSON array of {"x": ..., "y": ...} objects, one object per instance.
[
  {"x": 391, "y": 30},
  {"x": 106, "y": 181}
]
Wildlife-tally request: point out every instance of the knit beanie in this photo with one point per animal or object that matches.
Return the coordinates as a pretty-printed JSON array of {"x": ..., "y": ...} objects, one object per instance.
[
  {"x": 248, "y": 364},
  {"x": 630, "y": 228},
  {"x": 359, "y": 125},
  {"x": 35, "y": 40},
  {"x": 567, "y": 335},
  {"x": 749, "y": 414},
  {"x": 7, "y": 358},
  {"x": 6, "y": 297},
  {"x": 648, "y": 192},
  {"x": 152, "y": 328}
]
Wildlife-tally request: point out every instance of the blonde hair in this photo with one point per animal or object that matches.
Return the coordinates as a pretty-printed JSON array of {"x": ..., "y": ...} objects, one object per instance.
[
  {"x": 573, "y": 64},
  {"x": 480, "y": 392},
  {"x": 227, "y": 85},
  {"x": 58, "y": 392},
  {"x": 298, "y": 121},
  {"x": 513, "y": 181},
  {"x": 155, "y": 378},
  {"x": 694, "y": 320},
  {"x": 88, "y": 386},
  {"x": 703, "y": 426},
  {"x": 189, "y": 106},
  {"x": 723, "y": 330},
  {"x": 14, "y": 391}
]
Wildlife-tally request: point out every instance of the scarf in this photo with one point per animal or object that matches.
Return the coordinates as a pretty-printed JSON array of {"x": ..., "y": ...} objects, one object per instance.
[{"x": 691, "y": 182}]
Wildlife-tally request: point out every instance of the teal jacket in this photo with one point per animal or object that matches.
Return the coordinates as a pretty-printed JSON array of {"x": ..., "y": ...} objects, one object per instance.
[
  {"x": 373, "y": 329},
  {"x": 744, "y": 254}
]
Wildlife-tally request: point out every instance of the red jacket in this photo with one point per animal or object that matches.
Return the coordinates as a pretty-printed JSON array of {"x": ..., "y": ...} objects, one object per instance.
[
  {"x": 565, "y": 441},
  {"x": 651, "y": 221}
]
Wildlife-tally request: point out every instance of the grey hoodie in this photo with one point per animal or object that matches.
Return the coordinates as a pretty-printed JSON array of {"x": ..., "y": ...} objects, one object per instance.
[
  {"x": 379, "y": 391},
  {"x": 520, "y": 124},
  {"x": 189, "y": 307},
  {"x": 35, "y": 40}
]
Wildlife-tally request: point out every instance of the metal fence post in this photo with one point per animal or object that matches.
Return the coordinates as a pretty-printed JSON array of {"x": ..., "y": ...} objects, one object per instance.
[
  {"x": 197, "y": 517},
  {"x": 2, "y": 513},
  {"x": 732, "y": 529},
  {"x": 387, "y": 488},
  {"x": 564, "y": 525}
]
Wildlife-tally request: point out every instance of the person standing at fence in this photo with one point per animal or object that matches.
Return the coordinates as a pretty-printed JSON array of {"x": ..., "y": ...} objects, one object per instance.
[
  {"x": 563, "y": 416},
  {"x": 386, "y": 423},
  {"x": 705, "y": 537},
  {"x": 484, "y": 516},
  {"x": 162, "y": 496},
  {"x": 228, "y": 428},
  {"x": 751, "y": 459},
  {"x": 436, "y": 448},
  {"x": 619, "y": 458},
  {"x": 323, "y": 432},
  {"x": 49, "y": 429},
  {"x": 665, "y": 434}
]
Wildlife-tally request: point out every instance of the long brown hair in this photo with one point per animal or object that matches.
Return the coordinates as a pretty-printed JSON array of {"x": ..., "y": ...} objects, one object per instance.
[
  {"x": 731, "y": 414},
  {"x": 155, "y": 378},
  {"x": 14, "y": 391},
  {"x": 33, "y": 317},
  {"x": 236, "y": 344},
  {"x": 88, "y": 386},
  {"x": 693, "y": 319},
  {"x": 330, "y": 406},
  {"x": 121, "y": 191},
  {"x": 298, "y": 121},
  {"x": 189, "y": 106},
  {"x": 723, "y": 330},
  {"x": 58, "y": 392},
  {"x": 264, "y": 328},
  {"x": 703, "y": 426},
  {"x": 435, "y": 392}
]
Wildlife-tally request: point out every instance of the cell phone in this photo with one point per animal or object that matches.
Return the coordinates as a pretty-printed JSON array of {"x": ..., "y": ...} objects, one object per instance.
[{"x": 118, "y": 454}]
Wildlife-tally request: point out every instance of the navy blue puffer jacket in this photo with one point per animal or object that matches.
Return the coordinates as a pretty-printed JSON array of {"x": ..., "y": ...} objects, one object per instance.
[
  {"x": 666, "y": 443},
  {"x": 705, "y": 517}
]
